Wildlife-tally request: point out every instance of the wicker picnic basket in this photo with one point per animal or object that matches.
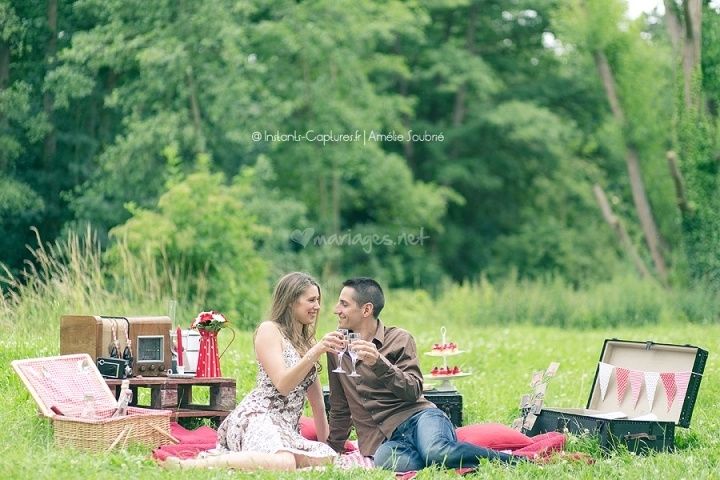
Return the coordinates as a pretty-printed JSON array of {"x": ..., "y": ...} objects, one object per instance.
[{"x": 71, "y": 392}]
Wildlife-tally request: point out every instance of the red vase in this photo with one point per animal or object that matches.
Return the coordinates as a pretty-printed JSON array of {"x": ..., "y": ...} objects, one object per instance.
[{"x": 208, "y": 357}]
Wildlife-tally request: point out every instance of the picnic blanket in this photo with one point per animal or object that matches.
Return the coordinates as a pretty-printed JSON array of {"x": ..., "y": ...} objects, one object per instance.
[{"x": 192, "y": 442}]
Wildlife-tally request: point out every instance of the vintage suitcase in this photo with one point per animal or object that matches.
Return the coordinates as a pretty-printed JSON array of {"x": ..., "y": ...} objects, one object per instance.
[
  {"x": 450, "y": 402},
  {"x": 649, "y": 388}
]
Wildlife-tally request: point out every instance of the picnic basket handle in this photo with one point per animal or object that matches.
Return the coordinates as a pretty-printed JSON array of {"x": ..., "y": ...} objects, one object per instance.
[
  {"x": 120, "y": 436},
  {"x": 165, "y": 434}
]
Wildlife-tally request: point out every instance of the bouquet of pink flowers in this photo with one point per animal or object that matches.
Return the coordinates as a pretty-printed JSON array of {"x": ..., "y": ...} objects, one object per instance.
[{"x": 212, "y": 321}]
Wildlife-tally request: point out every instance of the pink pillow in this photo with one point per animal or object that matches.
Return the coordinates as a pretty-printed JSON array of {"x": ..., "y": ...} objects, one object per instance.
[
  {"x": 493, "y": 435},
  {"x": 307, "y": 428}
]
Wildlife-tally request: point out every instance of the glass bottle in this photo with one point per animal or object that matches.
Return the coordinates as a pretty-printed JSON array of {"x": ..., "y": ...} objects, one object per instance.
[
  {"x": 124, "y": 399},
  {"x": 88, "y": 409}
]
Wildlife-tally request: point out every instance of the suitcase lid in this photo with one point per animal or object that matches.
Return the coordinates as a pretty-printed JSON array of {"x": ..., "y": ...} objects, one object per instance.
[
  {"x": 62, "y": 382},
  {"x": 669, "y": 367}
]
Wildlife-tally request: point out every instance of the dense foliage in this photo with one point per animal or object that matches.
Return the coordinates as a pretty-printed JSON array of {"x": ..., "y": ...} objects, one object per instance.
[{"x": 412, "y": 141}]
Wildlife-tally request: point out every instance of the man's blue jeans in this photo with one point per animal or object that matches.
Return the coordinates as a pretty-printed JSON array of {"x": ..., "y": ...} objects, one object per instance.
[{"x": 428, "y": 438}]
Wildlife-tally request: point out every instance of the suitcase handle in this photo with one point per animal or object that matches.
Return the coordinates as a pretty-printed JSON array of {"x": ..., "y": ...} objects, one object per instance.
[{"x": 639, "y": 436}]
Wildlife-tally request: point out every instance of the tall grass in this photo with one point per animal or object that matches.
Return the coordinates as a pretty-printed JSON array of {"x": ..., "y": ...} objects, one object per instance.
[
  {"x": 71, "y": 276},
  {"x": 625, "y": 301}
]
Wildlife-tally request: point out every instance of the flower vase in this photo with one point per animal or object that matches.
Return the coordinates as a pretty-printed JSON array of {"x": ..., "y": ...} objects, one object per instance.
[{"x": 208, "y": 364}]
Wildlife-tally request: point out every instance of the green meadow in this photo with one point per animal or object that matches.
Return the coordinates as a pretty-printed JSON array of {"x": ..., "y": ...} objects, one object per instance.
[{"x": 508, "y": 331}]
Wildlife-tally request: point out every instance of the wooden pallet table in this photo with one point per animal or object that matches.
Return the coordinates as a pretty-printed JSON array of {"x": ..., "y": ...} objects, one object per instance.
[{"x": 176, "y": 394}]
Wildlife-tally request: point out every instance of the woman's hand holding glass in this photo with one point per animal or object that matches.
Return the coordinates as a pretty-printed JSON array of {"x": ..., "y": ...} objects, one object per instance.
[
  {"x": 331, "y": 342},
  {"x": 341, "y": 350}
]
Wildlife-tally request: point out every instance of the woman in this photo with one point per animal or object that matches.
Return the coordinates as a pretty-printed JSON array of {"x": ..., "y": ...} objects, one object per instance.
[{"x": 262, "y": 431}]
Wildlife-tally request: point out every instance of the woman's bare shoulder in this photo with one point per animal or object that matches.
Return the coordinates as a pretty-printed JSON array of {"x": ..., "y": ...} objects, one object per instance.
[{"x": 268, "y": 330}]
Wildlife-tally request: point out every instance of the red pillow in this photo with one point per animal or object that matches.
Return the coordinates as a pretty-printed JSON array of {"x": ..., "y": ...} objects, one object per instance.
[
  {"x": 543, "y": 445},
  {"x": 493, "y": 435},
  {"x": 307, "y": 430}
]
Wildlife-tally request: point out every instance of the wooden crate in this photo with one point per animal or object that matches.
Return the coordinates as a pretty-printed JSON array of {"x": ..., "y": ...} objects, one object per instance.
[{"x": 176, "y": 394}]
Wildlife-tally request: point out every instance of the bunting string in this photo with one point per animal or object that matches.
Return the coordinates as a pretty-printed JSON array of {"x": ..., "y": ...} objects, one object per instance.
[{"x": 675, "y": 384}]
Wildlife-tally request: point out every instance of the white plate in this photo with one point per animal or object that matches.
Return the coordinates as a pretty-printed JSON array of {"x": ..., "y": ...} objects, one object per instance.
[
  {"x": 181, "y": 375},
  {"x": 440, "y": 353}
]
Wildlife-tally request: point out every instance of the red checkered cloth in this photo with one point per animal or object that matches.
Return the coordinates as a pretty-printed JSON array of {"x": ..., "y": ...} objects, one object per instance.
[{"x": 192, "y": 442}]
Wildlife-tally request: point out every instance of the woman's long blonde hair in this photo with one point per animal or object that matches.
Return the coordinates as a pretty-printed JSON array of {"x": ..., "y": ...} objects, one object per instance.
[{"x": 287, "y": 291}]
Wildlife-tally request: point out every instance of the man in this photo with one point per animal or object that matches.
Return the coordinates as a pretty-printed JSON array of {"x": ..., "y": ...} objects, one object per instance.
[{"x": 393, "y": 420}]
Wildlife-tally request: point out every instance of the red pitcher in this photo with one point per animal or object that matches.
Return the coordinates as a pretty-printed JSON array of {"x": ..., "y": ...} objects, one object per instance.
[
  {"x": 208, "y": 358},
  {"x": 208, "y": 364}
]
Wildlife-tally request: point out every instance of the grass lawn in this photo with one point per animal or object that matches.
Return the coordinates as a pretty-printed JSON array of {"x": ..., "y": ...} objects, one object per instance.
[{"x": 501, "y": 359}]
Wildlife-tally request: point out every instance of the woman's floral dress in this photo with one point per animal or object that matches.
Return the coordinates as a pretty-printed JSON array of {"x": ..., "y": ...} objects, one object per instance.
[{"x": 268, "y": 422}]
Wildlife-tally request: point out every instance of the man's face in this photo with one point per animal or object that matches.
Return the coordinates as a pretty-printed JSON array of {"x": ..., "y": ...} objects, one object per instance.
[{"x": 350, "y": 314}]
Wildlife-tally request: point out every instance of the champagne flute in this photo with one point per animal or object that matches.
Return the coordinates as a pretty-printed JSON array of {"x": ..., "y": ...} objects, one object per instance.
[
  {"x": 353, "y": 354},
  {"x": 344, "y": 332}
]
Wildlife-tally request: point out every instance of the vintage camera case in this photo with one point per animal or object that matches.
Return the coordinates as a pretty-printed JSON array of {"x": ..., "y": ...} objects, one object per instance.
[{"x": 113, "y": 367}]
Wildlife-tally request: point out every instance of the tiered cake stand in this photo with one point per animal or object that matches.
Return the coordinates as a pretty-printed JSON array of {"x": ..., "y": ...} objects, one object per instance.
[{"x": 445, "y": 385}]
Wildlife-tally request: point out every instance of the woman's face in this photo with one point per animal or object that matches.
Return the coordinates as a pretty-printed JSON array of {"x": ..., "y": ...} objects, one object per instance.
[{"x": 307, "y": 306}]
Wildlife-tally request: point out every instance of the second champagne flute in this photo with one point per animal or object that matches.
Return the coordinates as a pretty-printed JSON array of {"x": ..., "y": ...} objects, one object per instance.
[
  {"x": 341, "y": 352},
  {"x": 353, "y": 355}
]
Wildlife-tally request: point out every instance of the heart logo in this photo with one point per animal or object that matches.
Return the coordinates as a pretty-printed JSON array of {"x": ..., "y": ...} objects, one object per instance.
[{"x": 302, "y": 237}]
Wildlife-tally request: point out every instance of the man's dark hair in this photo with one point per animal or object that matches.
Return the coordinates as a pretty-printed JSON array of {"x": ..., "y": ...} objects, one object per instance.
[{"x": 367, "y": 290}]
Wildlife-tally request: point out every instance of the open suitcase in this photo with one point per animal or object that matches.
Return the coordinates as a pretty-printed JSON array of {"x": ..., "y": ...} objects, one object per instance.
[
  {"x": 640, "y": 392},
  {"x": 71, "y": 392}
]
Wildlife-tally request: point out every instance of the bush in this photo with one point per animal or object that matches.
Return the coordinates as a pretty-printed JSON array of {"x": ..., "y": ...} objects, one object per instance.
[{"x": 202, "y": 228}]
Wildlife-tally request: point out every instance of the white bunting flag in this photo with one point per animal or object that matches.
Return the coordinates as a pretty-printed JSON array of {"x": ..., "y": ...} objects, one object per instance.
[
  {"x": 636, "y": 379},
  {"x": 604, "y": 372},
  {"x": 681, "y": 382},
  {"x": 651, "y": 381}
]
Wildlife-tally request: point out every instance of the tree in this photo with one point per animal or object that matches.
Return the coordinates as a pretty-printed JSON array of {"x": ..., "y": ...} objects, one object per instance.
[
  {"x": 503, "y": 101},
  {"x": 22, "y": 126},
  {"x": 593, "y": 27},
  {"x": 694, "y": 31}
]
